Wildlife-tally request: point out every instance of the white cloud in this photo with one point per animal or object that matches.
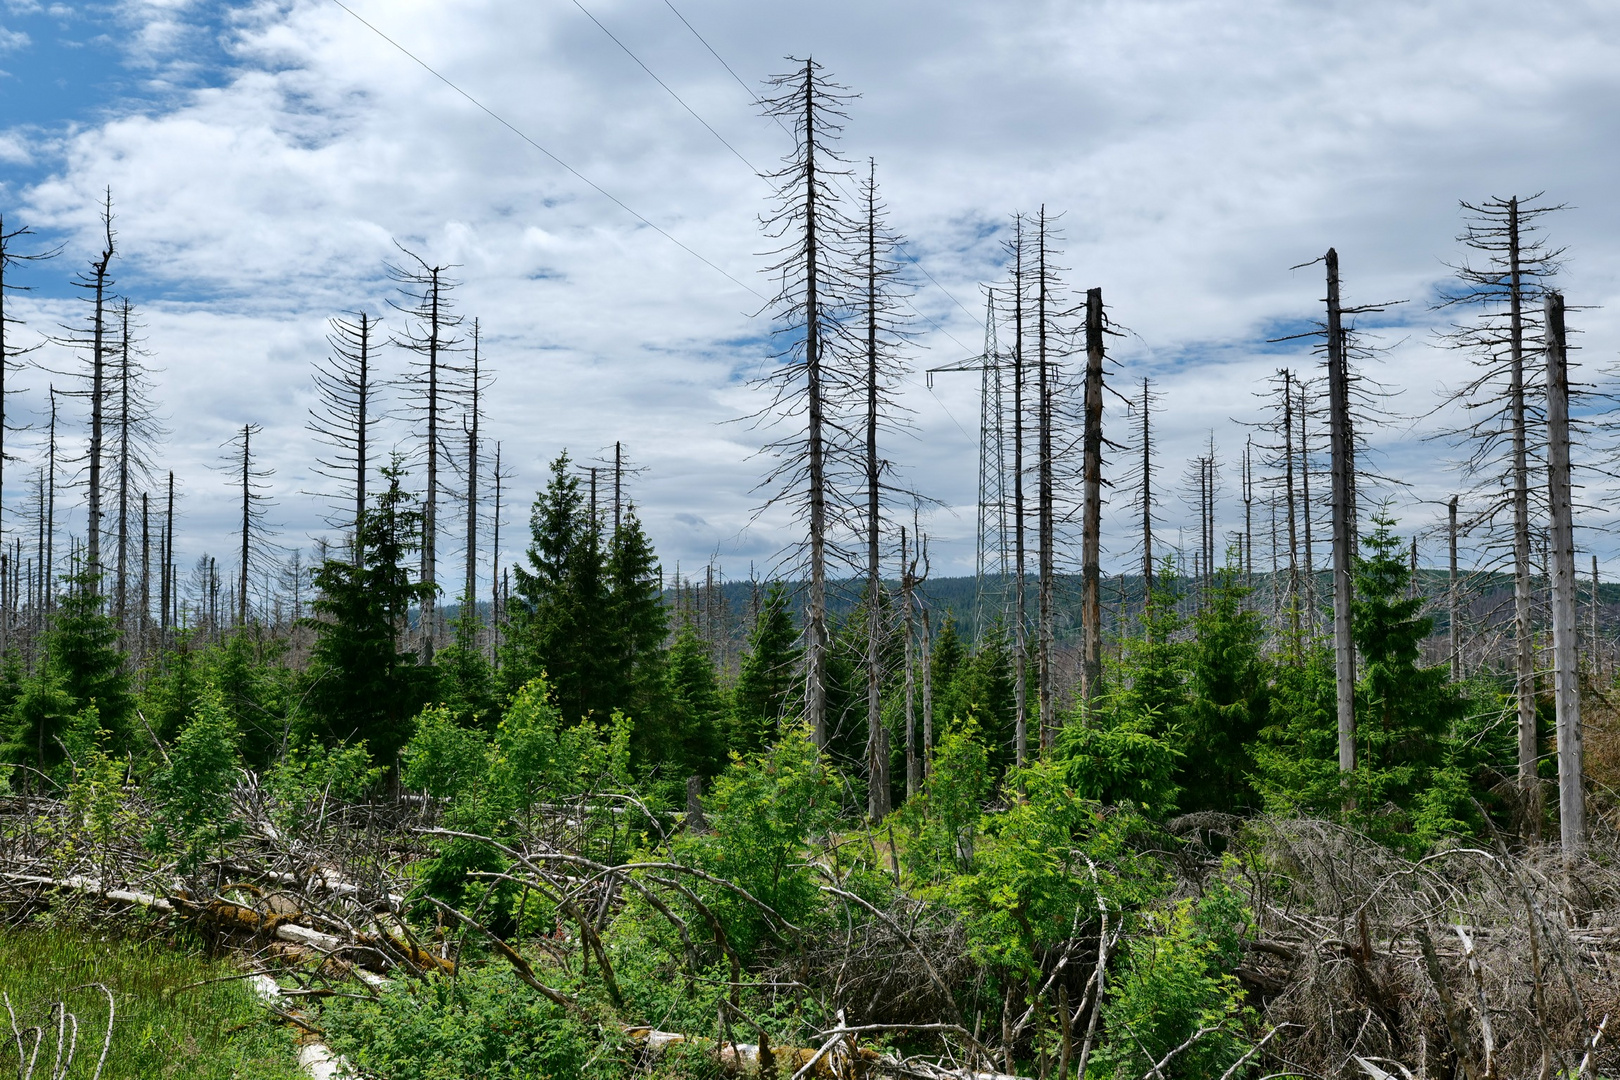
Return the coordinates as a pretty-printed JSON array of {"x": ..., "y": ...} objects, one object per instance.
[
  {"x": 1196, "y": 150},
  {"x": 12, "y": 40}
]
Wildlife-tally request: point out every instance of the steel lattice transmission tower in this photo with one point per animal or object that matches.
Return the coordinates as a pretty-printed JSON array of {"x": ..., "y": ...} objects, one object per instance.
[{"x": 992, "y": 569}]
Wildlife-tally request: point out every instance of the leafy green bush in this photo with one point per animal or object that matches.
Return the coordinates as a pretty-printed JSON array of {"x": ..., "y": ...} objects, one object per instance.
[
  {"x": 1177, "y": 982},
  {"x": 483, "y": 1025}
]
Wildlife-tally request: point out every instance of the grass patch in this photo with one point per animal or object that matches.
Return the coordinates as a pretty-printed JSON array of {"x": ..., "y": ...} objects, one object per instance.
[{"x": 214, "y": 1032}]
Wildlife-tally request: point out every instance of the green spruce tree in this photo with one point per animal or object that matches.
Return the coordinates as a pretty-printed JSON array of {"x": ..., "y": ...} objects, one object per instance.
[{"x": 768, "y": 684}]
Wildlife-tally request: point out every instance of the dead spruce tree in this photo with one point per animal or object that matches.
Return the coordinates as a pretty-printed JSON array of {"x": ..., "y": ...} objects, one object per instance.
[
  {"x": 11, "y": 351},
  {"x": 1017, "y": 249},
  {"x": 1091, "y": 503},
  {"x": 250, "y": 480},
  {"x": 433, "y": 390},
  {"x": 138, "y": 433},
  {"x": 1566, "y": 665},
  {"x": 342, "y": 418},
  {"x": 813, "y": 386},
  {"x": 1503, "y": 403},
  {"x": 477, "y": 380},
  {"x": 94, "y": 337},
  {"x": 880, "y": 324}
]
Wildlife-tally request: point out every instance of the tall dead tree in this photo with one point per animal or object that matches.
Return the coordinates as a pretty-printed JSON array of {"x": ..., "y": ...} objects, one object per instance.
[
  {"x": 1049, "y": 351},
  {"x": 1145, "y": 497},
  {"x": 813, "y": 265},
  {"x": 1091, "y": 506},
  {"x": 138, "y": 433},
  {"x": 1566, "y": 664},
  {"x": 1342, "y": 448},
  {"x": 433, "y": 381},
  {"x": 1020, "y": 618},
  {"x": 880, "y": 329},
  {"x": 249, "y": 478},
  {"x": 1502, "y": 401},
  {"x": 166, "y": 582},
  {"x": 341, "y": 420},
  {"x": 476, "y": 381},
  {"x": 94, "y": 338},
  {"x": 11, "y": 351},
  {"x": 1453, "y": 605}
]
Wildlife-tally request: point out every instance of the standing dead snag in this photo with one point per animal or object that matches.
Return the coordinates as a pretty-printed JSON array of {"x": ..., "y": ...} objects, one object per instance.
[
  {"x": 343, "y": 417},
  {"x": 1566, "y": 672},
  {"x": 251, "y": 479},
  {"x": 813, "y": 381},
  {"x": 1502, "y": 400},
  {"x": 10, "y": 351},
  {"x": 1341, "y": 450},
  {"x": 1020, "y": 608},
  {"x": 1091, "y": 525},
  {"x": 880, "y": 318},
  {"x": 429, "y": 335}
]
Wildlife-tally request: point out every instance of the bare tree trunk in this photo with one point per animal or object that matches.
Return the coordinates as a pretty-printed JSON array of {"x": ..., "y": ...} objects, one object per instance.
[
  {"x": 121, "y": 585},
  {"x": 1597, "y": 648},
  {"x": 1523, "y": 634},
  {"x": 143, "y": 624},
  {"x": 1147, "y": 499},
  {"x": 816, "y": 617},
  {"x": 471, "y": 587},
  {"x": 1091, "y": 511},
  {"x": 907, "y": 584},
  {"x": 167, "y": 586},
  {"x": 1293, "y": 524},
  {"x": 1047, "y": 510},
  {"x": 1344, "y": 655},
  {"x": 877, "y": 742},
  {"x": 1020, "y": 621},
  {"x": 98, "y": 366},
  {"x": 925, "y": 767},
  {"x": 1452, "y": 599},
  {"x": 1308, "y": 584},
  {"x": 495, "y": 558},
  {"x": 1566, "y": 671},
  {"x": 1248, "y": 513},
  {"x": 48, "y": 559},
  {"x": 247, "y": 523}
]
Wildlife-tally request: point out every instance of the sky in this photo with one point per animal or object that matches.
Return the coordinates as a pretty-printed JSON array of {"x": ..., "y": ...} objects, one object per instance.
[{"x": 265, "y": 159}]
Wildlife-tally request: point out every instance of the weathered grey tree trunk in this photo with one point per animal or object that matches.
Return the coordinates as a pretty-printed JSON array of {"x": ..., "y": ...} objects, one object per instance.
[
  {"x": 1453, "y": 602},
  {"x": 475, "y": 391},
  {"x": 924, "y": 767},
  {"x": 1091, "y": 508},
  {"x": 1147, "y": 497},
  {"x": 247, "y": 522},
  {"x": 1307, "y": 584},
  {"x": 877, "y": 742},
  {"x": 1289, "y": 495},
  {"x": 1248, "y": 513},
  {"x": 1344, "y": 654},
  {"x": 98, "y": 367},
  {"x": 1566, "y": 670},
  {"x": 1020, "y": 608},
  {"x": 1524, "y": 684},
  {"x": 907, "y": 613},
  {"x": 815, "y": 693},
  {"x": 143, "y": 623},
  {"x": 1047, "y": 510},
  {"x": 1597, "y": 648},
  {"x": 121, "y": 584}
]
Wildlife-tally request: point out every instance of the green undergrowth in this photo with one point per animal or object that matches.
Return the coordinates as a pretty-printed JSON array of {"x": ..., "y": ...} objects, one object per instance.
[{"x": 164, "y": 1024}]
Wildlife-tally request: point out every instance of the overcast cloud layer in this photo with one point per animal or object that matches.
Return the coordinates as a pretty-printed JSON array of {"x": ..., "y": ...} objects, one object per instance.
[{"x": 264, "y": 158}]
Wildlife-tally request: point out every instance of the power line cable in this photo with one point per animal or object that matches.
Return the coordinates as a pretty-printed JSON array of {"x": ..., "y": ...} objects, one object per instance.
[
  {"x": 651, "y": 74},
  {"x": 755, "y": 99},
  {"x": 620, "y": 203}
]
